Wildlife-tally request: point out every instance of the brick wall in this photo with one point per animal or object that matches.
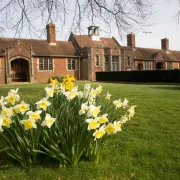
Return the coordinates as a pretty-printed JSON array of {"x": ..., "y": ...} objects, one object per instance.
[
  {"x": 59, "y": 68},
  {"x": 84, "y": 69},
  {"x": 100, "y": 53}
]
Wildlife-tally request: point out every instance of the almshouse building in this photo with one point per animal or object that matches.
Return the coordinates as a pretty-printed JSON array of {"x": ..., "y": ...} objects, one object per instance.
[{"x": 30, "y": 60}]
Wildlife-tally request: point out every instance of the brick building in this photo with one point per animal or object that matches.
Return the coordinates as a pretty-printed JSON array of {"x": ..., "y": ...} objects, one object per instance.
[{"x": 82, "y": 56}]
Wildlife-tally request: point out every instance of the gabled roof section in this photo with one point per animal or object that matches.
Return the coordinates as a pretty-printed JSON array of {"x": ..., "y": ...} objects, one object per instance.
[
  {"x": 41, "y": 47},
  {"x": 156, "y": 54},
  {"x": 85, "y": 41}
]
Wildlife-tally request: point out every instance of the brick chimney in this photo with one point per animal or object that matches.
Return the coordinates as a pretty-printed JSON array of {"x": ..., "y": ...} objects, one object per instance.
[
  {"x": 131, "y": 40},
  {"x": 165, "y": 44},
  {"x": 51, "y": 34}
]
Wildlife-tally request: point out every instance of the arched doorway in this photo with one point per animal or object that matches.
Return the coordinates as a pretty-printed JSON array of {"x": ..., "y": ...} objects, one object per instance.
[
  {"x": 159, "y": 65},
  {"x": 20, "y": 70}
]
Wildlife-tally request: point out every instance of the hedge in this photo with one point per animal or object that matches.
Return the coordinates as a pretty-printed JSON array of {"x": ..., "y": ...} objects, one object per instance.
[{"x": 140, "y": 76}]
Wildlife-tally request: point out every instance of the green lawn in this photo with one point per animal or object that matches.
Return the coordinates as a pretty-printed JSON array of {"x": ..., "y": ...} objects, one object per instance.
[{"x": 147, "y": 148}]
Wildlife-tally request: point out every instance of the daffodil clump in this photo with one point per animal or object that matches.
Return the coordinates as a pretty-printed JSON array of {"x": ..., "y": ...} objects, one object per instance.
[{"x": 66, "y": 124}]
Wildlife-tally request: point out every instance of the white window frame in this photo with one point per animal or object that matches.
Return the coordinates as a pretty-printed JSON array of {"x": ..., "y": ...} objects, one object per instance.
[
  {"x": 115, "y": 65},
  {"x": 70, "y": 62},
  {"x": 169, "y": 65},
  {"x": 48, "y": 64},
  {"x": 147, "y": 65}
]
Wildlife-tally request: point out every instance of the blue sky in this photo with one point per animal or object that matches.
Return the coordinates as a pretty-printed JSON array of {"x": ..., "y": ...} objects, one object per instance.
[{"x": 163, "y": 26}]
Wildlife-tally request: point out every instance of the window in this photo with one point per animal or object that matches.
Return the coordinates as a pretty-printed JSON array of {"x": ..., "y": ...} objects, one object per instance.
[
  {"x": 107, "y": 64},
  {"x": 71, "y": 64},
  {"x": 169, "y": 65},
  {"x": 115, "y": 63},
  {"x": 128, "y": 61},
  {"x": 140, "y": 66},
  {"x": 97, "y": 61},
  {"x": 147, "y": 65},
  {"x": 45, "y": 64}
]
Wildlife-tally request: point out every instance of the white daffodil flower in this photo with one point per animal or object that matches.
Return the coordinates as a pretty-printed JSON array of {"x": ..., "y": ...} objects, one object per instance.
[
  {"x": 6, "y": 111},
  {"x": 99, "y": 133},
  {"x": 118, "y": 103},
  {"x": 2, "y": 101},
  {"x": 99, "y": 89},
  {"x": 103, "y": 119},
  {"x": 125, "y": 103},
  {"x": 34, "y": 115},
  {"x": 49, "y": 121},
  {"x": 84, "y": 108},
  {"x": 108, "y": 96},
  {"x": 93, "y": 123},
  {"x": 29, "y": 124},
  {"x": 93, "y": 111},
  {"x": 123, "y": 119},
  {"x": 6, "y": 121},
  {"x": 23, "y": 107},
  {"x": 49, "y": 91},
  {"x": 43, "y": 104}
]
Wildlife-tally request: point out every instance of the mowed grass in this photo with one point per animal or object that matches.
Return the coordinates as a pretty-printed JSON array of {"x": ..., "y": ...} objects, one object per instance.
[{"x": 147, "y": 148}]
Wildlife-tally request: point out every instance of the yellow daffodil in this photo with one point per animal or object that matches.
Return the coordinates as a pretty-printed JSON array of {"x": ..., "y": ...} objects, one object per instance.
[
  {"x": 54, "y": 82},
  {"x": 49, "y": 121},
  {"x": 108, "y": 96},
  {"x": 93, "y": 111},
  {"x": 93, "y": 123},
  {"x": 84, "y": 108},
  {"x": 23, "y": 107},
  {"x": 49, "y": 91},
  {"x": 99, "y": 133},
  {"x": 34, "y": 115},
  {"x": 43, "y": 104},
  {"x": 118, "y": 103},
  {"x": 29, "y": 124},
  {"x": 103, "y": 119},
  {"x": 110, "y": 128}
]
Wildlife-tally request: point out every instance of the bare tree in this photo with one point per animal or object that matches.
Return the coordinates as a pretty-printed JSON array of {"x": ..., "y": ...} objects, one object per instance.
[
  {"x": 177, "y": 15},
  {"x": 33, "y": 14}
]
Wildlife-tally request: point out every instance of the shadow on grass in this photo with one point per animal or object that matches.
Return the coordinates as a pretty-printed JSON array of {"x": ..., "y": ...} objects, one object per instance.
[
  {"x": 167, "y": 87},
  {"x": 6, "y": 162}
]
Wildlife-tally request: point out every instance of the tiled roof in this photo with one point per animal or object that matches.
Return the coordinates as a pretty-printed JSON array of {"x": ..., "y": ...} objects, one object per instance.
[
  {"x": 41, "y": 47},
  {"x": 148, "y": 53},
  {"x": 85, "y": 41}
]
